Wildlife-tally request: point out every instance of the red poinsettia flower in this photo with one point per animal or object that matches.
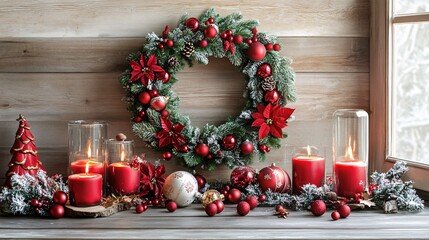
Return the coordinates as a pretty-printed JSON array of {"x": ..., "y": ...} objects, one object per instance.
[
  {"x": 271, "y": 119},
  {"x": 151, "y": 180},
  {"x": 145, "y": 70},
  {"x": 170, "y": 134}
]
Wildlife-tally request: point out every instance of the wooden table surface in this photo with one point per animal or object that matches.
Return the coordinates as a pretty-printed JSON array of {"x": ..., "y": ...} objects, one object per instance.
[{"x": 192, "y": 223}]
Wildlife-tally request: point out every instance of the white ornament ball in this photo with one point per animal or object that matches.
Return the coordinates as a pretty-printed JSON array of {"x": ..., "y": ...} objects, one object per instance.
[{"x": 181, "y": 187}]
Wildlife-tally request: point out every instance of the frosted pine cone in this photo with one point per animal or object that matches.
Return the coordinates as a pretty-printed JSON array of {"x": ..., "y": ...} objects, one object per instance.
[
  {"x": 268, "y": 84},
  {"x": 188, "y": 50},
  {"x": 172, "y": 62}
]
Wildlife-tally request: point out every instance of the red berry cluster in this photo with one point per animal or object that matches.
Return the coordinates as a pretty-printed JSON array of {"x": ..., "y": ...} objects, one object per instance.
[
  {"x": 268, "y": 46},
  {"x": 263, "y": 148},
  {"x": 165, "y": 42},
  {"x": 144, "y": 205},
  {"x": 229, "y": 39}
]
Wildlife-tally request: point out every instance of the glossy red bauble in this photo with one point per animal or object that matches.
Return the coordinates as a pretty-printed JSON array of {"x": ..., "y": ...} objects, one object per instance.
[
  {"x": 228, "y": 142},
  {"x": 271, "y": 96},
  {"x": 256, "y": 51},
  {"x": 264, "y": 70},
  {"x": 220, "y": 205},
  {"x": 140, "y": 208},
  {"x": 238, "y": 39},
  {"x": 344, "y": 211},
  {"x": 169, "y": 43},
  {"x": 184, "y": 149},
  {"x": 252, "y": 201},
  {"x": 276, "y": 47},
  {"x": 335, "y": 215},
  {"x": 243, "y": 208},
  {"x": 211, "y": 209},
  {"x": 234, "y": 195},
  {"x": 246, "y": 147},
  {"x": 163, "y": 76},
  {"x": 153, "y": 93},
  {"x": 57, "y": 211},
  {"x": 167, "y": 155},
  {"x": 192, "y": 23},
  {"x": 262, "y": 198},
  {"x": 144, "y": 98},
  {"x": 171, "y": 206},
  {"x": 201, "y": 180},
  {"x": 274, "y": 178},
  {"x": 34, "y": 203},
  {"x": 242, "y": 176},
  {"x": 158, "y": 103},
  {"x": 137, "y": 119},
  {"x": 269, "y": 46},
  {"x": 210, "y": 31},
  {"x": 203, "y": 43},
  {"x": 164, "y": 113},
  {"x": 202, "y": 150},
  {"x": 60, "y": 197}
]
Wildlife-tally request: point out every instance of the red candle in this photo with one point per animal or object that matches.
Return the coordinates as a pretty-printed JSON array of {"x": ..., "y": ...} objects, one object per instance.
[
  {"x": 350, "y": 178},
  {"x": 85, "y": 189},
  {"x": 307, "y": 170},
  {"x": 79, "y": 166},
  {"x": 123, "y": 179}
]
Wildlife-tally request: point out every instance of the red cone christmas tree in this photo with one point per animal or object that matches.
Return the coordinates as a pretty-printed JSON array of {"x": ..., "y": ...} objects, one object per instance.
[{"x": 24, "y": 154}]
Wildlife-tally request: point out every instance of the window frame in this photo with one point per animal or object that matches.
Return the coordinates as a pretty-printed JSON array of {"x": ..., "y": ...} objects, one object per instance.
[{"x": 380, "y": 65}]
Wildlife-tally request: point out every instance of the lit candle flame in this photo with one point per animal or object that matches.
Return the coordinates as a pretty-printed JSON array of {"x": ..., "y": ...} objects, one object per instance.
[
  {"x": 89, "y": 151},
  {"x": 87, "y": 167},
  {"x": 349, "y": 151},
  {"x": 122, "y": 156},
  {"x": 308, "y": 150}
]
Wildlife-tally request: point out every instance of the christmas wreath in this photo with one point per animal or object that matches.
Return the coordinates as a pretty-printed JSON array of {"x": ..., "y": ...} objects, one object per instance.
[{"x": 270, "y": 85}]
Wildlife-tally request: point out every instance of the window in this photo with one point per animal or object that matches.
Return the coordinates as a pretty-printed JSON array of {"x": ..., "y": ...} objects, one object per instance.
[{"x": 400, "y": 86}]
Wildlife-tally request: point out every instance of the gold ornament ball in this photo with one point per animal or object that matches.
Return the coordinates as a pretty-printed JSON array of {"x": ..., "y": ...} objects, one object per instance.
[{"x": 210, "y": 196}]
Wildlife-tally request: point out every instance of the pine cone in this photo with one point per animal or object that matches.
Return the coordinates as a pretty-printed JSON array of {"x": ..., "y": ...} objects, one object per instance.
[
  {"x": 268, "y": 84},
  {"x": 172, "y": 62},
  {"x": 188, "y": 50},
  {"x": 263, "y": 38}
]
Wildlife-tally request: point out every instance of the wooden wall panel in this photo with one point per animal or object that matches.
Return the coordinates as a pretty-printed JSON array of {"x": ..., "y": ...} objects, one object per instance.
[
  {"x": 341, "y": 54},
  {"x": 60, "y": 61},
  {"x": 134, "y": 18}
]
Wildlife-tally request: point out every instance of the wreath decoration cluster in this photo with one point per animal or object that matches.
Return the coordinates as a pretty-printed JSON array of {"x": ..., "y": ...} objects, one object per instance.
[{"x": 150, "y": 76}]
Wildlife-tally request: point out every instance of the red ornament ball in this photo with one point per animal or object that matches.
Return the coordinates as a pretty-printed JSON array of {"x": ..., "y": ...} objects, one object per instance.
[
  {"x": 243, "y": 208},
  {"x": 142, "y": 114},
  {"x": 60, "y": 197},
  {"x": 234, "y": 195},
  {"x": 202, "y": 150},
  {"x": 228, "y": 142},
  {"x": 40, "y": 204},
  {"x": 140, "y": 208},
  {"x": 153, "y": 93},
  {"x": 158, "y": 103},
  {"x": 252, "y": 201},
  {"x": 169, "y": 43},
  {"x": 264, "y": 70},
  {"x": 254, "y": 39},
  {"x": 335, "y": 215},
  {"x": 276, "y": 47},
  {"x": 167, "y": 155},
  {"x": 164, "y": 113},
  {"x": 171, "y": 206},
  {"x": 238, "y": 39},
  {"x": 228, "y": 32},
  {"x": 211, "y": 209},
  {"x": 210, "y": 32},
  {"x": 269, "y": 46},
  {"x": 144, "y": 98},
  {"x": 34, "y": 203},
  {"x": 242, "y": 176},
  {"x": 201, "y": 180},
  {"x": 155, "y": 202},
  {"x": 192, "y": 23},
  {"x": 211, "y": 20},
  {"x": 249, "y": 41},
  {"x": 246, "y": 147},
  {"x": 57, "y": 211},
  {"x": 263, "y": 148},
  {"x": 274, "y": 178},
  {"x": 262, "y": 198},
  {"x": 344, "y": 211},
  {"x": 163, "y": 76},
  {"x": 184, "y": 149},
  {"x": 271, "y": 96},
  {"x": 160, "y": 46},
  {"x": 220, "y": 205},
  {"x": 203, "y": 43},
  {"x": 137, "y": 119},
  {"x": 318, "y": 208},
  {"x": 223, "y": 35},
  {"x": 256, "y": 51},
  {"x": 279, "y": 208}
]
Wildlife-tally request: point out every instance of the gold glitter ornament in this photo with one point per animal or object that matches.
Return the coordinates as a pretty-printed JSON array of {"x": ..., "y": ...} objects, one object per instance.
[{"x": 210, "y": 196}]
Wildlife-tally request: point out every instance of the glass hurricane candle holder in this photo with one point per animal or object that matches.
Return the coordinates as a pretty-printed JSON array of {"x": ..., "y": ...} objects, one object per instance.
[
  {"x": 308, "y": 167},
  {"x": 86, "y": 146},
  {"x": 123, "y": 179},
  {"x": 350, "y": 151}
]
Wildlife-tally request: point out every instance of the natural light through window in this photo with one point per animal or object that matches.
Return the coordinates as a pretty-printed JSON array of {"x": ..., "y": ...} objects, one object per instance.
[{"x": 409, "y": 84}]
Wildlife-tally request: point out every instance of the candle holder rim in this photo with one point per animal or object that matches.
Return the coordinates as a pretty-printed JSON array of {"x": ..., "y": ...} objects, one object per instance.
[
  {"x": 114, "y": 141},
  {"x": 350, "y": 112},
  {"x": 87, "y": 122}
]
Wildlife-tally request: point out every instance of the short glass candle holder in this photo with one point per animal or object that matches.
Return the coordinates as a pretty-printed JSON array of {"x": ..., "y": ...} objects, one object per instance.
[
  {"x": 350, "y": 151},
  {"x": 86, "y": 146},
  {"x": 123, "y": 178},
  {"x": 308, "y": 167}
]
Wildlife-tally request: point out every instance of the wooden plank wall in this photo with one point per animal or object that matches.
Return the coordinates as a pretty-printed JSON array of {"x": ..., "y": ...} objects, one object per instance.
[{"x": 60, "y": 61}]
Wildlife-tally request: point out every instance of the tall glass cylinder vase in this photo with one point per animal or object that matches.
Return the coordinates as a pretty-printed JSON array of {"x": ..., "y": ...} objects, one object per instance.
[
  {"x": 86, "y": 146},
  {"x": 123, "y": 177},
  {"x": 350, "y": 151}
]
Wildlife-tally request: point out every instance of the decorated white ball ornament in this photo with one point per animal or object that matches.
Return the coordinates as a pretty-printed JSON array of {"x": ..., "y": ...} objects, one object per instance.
[{"x": 181, "y": 187}]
